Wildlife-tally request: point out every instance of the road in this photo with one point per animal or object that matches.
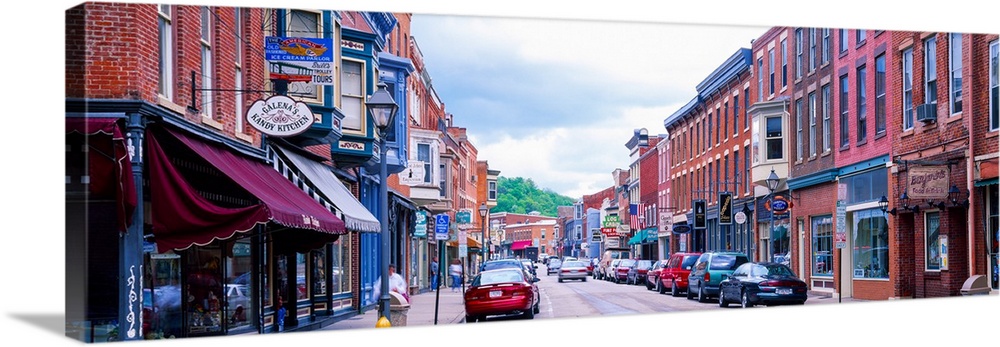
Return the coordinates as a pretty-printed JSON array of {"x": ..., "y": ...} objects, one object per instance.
[{"x": 595, "y": 298}]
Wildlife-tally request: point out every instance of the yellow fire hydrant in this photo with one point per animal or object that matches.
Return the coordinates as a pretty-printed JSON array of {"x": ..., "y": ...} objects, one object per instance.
[{"x": 383, "y": 323}]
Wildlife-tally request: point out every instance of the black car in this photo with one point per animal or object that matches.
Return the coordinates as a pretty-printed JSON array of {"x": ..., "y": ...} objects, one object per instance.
[{"x": 764, "y": 283}]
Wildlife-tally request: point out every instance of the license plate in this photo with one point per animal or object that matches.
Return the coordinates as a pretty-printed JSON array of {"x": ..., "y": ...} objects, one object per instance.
[
  {"x": 784, "y": 291},
  {"x": 495, "y": 293}
]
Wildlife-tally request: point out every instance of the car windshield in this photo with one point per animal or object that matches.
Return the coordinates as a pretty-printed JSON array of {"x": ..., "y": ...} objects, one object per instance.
[
  {"x": 726, "y": 262},
  {"x": 779, "y": 270},
  {"x": 493, "y": 265},
  {"x": 626, "y": 263},
  {"x": 689, "y": 262},
  {"x": 645, "y": 263},
  {"x": 498, "y": 276},
  {"x": 569, "y": 264}
]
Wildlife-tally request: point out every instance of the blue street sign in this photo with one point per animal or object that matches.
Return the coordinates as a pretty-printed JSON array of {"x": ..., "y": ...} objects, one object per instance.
[{"x": 441, "y": 227}]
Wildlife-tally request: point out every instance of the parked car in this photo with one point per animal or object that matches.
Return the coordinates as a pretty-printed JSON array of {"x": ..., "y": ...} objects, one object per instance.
[
  {"x": 501, "y": 292},
  {"x": 553, "y": 267},
  {"x": 710, "y": 271},
  {"x": 637, "y": 272},
  {"x": 573, "y": 270},
  {"x": 590, "y": 266},
  {"x": 675, "y": 274},
  {"x": 620, "y": 272},
  {"x": 653, "y": 275},
  {"x": 609, "y": 270},
  {"x": 530, "y": 265},
  {"x": 765, "y": 283}
]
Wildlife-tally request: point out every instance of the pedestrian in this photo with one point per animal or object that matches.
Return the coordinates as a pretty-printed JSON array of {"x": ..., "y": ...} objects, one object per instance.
[
  {"x": 455, "y": 270},
  {"x": 396, "y": 284},
  {"x": 280, "y": 315},
  {"x": 435, "y": 268}
]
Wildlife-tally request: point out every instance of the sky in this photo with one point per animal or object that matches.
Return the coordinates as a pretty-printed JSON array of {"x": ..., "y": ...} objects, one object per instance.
[
  {"x": 555, "y": 100},
  {"x": 33, "y": 175}
]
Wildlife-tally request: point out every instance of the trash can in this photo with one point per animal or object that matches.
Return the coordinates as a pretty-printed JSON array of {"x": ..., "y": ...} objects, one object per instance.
[
  {"x": 398, "y": 307},
  {"x": 975, "y": 285}
]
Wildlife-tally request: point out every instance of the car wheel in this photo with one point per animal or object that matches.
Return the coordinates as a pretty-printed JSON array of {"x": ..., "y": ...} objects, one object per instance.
[
  {"x": 470, "y": 319},
  {"x": 674, "y": 291},
  {"x": 659, "y": 287},
  {"x": 722, "y": 299},
  {"x": 560, "y": 280},
  {"x": 701, "y": 294},
  {"x": 529, "y": 313},
  {"x": 745, "y": 300},
  {"x": 584, "y": 279},
  {"x": 690, "y": 295},
  {"x": 536, "y": 309}
]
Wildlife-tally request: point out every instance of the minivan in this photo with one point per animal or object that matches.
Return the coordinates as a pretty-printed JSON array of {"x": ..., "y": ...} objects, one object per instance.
[{"x": 710, "y": 270}]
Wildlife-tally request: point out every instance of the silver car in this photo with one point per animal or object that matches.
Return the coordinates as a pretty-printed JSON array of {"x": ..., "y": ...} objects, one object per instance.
[{"x": 573, "y": 270}]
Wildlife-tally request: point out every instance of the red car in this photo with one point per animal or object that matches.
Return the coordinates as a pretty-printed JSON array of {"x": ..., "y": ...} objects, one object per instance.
[
  {"x": 675, "y": 274},
  {"x": 653, "y": 275},
  {"x": 620, "y": 273},
  {"x": 501, "y": 292}
]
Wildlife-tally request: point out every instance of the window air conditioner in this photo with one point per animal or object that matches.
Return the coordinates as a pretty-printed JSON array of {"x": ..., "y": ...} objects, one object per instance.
[{"x": 927, "y": 113}]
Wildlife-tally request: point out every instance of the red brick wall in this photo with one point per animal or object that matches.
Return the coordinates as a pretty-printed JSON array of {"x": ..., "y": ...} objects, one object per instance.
[
  {"x": 594, "y": 200},
  {"x": 811, "y": 82},
  {"x": 875, "y": 144},
  {"x": 814, "y": 201}
]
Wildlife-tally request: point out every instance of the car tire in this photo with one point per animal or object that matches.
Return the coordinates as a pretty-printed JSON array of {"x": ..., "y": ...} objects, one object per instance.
[
  {"x": 536, "y": 309},
  {"x": 690, "y": 295},
  {"x": 701, "y": 294},
  {"x": 584, "y": 279},
  {"x": 560, "y": 280},
  {"x": 722, "y": 299},
  {"x": 745, "y": 300},
  {"x": 674, "y": 291},
  {"x": 470, "y": 319},
  {"x": 650, "y": 287}
]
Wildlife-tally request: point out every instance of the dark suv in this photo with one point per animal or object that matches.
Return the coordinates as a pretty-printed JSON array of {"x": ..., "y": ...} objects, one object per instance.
[{"x": 710, "y": 270}]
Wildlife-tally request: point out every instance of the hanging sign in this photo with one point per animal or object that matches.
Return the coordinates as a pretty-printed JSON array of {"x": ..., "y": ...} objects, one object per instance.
[
  {"x": 420, "y": 230},
  {"x": 699, "y": 214},
  {"x": 726, "y": 209},
  {"x": 279, "y": 116},
  {"x": 740, "y": 217},
  {"x": 928, "y": 182},
  {"x": 279, "y": 48},
  {"x": 413, "y": 174},
  {"x": 779, "y": 205}
]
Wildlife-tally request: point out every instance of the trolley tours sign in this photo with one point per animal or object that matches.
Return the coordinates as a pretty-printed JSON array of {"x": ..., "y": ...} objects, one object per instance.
[{"x": 279, "y": 116}]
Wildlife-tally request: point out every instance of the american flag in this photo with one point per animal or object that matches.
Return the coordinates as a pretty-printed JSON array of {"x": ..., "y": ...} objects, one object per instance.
[{"x": 633, "y": 214}]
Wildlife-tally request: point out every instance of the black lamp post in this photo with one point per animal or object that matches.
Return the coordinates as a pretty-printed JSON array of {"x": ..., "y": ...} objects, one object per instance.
[
  {"x": 772, "y": 185},
  {"x": 482, "y": 221},
  {"x": 383, "y": 110}
]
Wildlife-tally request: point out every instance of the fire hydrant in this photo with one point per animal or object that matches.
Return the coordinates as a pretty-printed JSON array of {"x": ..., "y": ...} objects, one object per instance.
[{"x": 383, "y": 323}]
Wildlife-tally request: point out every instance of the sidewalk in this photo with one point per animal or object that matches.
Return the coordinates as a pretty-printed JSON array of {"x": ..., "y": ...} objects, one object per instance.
[{"x": 451, "y": 310}]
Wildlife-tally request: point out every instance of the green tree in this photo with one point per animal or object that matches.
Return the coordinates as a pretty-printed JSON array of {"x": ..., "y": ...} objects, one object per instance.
[{"x": 522, "y": 195}]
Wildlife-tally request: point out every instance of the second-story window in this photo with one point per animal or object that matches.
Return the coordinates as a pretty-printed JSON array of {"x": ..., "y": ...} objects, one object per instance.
[
  {"x": 206, "y": 62},
  {"x": 908, "y": 89},
  {"x": 843, "y": 40},
  {"x": 880, "y": 94},
  {"x": 773, "y": 139},
  {"x": 353, "y": 95},
  {"x": 760, "y": 79},
  {"x": 812, "y": 124},
  {"x": 798, "y": 53},
  {"x": 167, "y": 52},
  {"x": 862, "y": 97},
  {"x": 862, "y": 35},
  {"x": 826, "y": 45},
  {"x": 955, "y": 64},
  {"x": 238, "y": 66},
  {"x": 930, "y": 70},
  {"x": 424, "y": 156},
  {"x": 784, "y": 63},
  {"x": 994, "y": 87},
  {"x": 799, "y": 114},
  {"x": 736, "y": 115},
  {"x": 844, "y": 110},
  {"x": 827, "y": 123},
  {"x": 770, "y": 71},
  {"x": 493, "y": 191},
  {"x": 812, "y": 49}
]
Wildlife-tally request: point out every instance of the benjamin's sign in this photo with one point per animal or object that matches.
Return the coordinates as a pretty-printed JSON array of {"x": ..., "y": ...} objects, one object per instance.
[
  {"x": 279, "y": 116},
  {"x": 928, "y": 182}
]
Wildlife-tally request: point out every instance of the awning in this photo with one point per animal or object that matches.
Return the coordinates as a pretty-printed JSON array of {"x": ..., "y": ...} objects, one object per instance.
[
  {"x": 986, "y": 182},
  {"x": 108, "y": 165},
  {"x": 356, "y": 216},
  {"x": 470, "y": 242},
  {"x": 182, "y": 217},
  {"x": 637, "y": 238},
  {"x": 519, "y": 245}
]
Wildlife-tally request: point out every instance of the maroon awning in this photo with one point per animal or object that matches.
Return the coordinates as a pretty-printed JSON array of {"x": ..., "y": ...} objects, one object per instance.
[
  {"x": 108, "y": 164},
  {"x": 182, "y": 217},
  {"x": 519, "y": 245}
]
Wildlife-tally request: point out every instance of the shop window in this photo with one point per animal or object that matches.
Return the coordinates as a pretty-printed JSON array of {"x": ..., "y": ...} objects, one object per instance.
[
  {"x": 932, "y": 241},
  {"x": 204, "y": 290},
  {"x": 993, "y": 231},
  {"x": 241, "y": 310},
  {"x": 301, "y": 292},
  {"x": 319, "y": 271},
  {"x": 161, "y": 302},
  {"x": 871, "y": 244},
  {"x": 339, "y": 270},
  {"x": 822, "y": 246}
]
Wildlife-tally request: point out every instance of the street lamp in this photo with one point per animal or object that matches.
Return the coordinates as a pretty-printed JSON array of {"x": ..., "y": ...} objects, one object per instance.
[
  {"x": 383, "y": 109},
  {"x": 772, "y": 184},
  {"x": 482, "y": 222}
]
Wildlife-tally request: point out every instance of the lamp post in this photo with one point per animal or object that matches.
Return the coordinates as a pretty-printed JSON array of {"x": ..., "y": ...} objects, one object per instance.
[
  {"x": 383, "y": 109},
  {"x": 772, "y": 184},
  {"x": 482, "y": 222}
]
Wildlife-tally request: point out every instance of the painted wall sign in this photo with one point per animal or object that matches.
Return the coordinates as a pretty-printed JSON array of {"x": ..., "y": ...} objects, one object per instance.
[
  {"x": 352, "y": 45},
  {"x": 279, "y": 48},
  {"x": 350, "y": 145},
  {"x": 279, "y": 116},
  {"x": 928, "y": 182},
  {"x": 318, "y": 73},
  {"x": 726, "y": 209}
]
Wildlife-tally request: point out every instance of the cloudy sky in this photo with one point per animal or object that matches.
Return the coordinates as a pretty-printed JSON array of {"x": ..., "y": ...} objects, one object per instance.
[{"x": 555, "y": 100}]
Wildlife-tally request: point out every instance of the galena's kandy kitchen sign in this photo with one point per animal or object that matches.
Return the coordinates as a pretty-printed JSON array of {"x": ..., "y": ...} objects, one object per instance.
[
  {"x": 928, "y": 182},
  {"x": 279, "y": 116}
]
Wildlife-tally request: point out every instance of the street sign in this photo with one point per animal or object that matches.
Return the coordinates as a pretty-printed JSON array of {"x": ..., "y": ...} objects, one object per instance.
[
  {"x": 841, "y": 232},
  {"x": 441, "y": 227},
  {"x": 420, "y": 229},
  {"x": 463, "y": 217}
]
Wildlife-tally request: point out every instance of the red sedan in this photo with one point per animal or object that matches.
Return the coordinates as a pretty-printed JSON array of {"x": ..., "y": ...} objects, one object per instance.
[
  {"x": 674, "y": 276},
  {"x": 501, "y": 292}
]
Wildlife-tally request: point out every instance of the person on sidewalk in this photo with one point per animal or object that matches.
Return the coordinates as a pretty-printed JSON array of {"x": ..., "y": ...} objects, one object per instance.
[
  {"x": 455, "y": 270},
  {"x": 396, "y": 284},
  {"x": 434, "y": 274}
]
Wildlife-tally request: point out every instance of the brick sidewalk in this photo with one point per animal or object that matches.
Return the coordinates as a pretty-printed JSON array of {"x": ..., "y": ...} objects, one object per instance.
[{"x": 451, "y": 310}]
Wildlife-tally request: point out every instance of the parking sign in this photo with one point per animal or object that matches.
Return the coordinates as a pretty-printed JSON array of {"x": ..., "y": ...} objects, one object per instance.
[{"x": 441, "y": 227}]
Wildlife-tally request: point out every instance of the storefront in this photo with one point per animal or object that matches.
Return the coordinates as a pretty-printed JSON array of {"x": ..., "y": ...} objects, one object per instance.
[
  {"x": 865, "y": 267},
  {"x": 773, "y": 240}
]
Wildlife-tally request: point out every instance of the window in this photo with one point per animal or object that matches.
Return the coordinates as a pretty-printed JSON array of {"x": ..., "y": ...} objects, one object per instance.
[
  {"x": 862, "y": 104},
  {"x": 746, "y": 169},
  {"x": 443, "y": 181},
  {"x": 932, "y": 241},
  {"x": 930, "y": 71},
  {"x": 870, "y": 244},
  {"x": 798, "y": 53},
  {"x": 770, "y": 71},
  {"x": 908, "y": 89},
  {"x": 773, "y": 138},
  {"x": 812, "y": 124},
  {"x": 861, "y": 36},
  {"x": 955, "y": 63},
  {"x": 206, "y": 62},
  {"x": 799, "y": 112},
  {"x": 826, "y": 45},
  {"x": 238, "y": 77},
  {"x": 725, "y": 119},
  {"x": 424, "y": 156},
  {"x": 994, "y": 89},
  {"x": 784, "y": 63},
  {"x": 827, "y": 123},
  {"x": 880, "y": 94},
  {"x": 812, "y": 49},
  {"x": 844, "y": 128},
  {"x": 843, "y": 40},
  {"x": 492, "y": 190},
  {"x": 301, "y": 23},
  {"x": 718, "y": 122},
  {"x": 736, "y": 173},
  {"x": 352, "y": 94},
  {"x": 166, "y": 37},
  {"x": 822, "y": 246},
  {"x": 736, "y": 114},
  {"x": 760, "y": 79},
  {"x": 746, "y": 107}
]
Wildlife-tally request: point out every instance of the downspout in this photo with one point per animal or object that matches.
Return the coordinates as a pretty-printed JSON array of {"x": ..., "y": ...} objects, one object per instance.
[{"x": 969, "y": 173}]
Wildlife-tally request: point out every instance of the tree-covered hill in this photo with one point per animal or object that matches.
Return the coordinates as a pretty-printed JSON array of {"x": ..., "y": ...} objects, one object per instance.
[{"x": 521, "y": 195}]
